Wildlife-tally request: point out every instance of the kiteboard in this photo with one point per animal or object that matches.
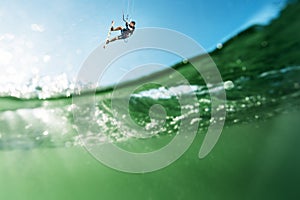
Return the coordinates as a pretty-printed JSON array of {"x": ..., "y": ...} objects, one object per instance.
[{"x": 108, "y": 34}]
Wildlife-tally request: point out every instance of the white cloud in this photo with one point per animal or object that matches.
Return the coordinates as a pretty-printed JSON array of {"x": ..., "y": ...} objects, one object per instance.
[
  {"x": 37, "y": 28},
  {"x": 5, "y": 57},
  {"x": 7, "y": 36},
  {"x": 11, "y": 70},
  {"x": 17, "y": 59},
  {"x": 46, "y": 58}
]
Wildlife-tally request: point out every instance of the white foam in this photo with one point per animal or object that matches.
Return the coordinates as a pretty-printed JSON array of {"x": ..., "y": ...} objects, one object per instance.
[{"x": 167, "y": 93}]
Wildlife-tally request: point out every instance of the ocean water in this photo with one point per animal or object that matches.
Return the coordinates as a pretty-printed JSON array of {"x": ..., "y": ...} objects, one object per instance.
[{"x": 42, "y": 154}]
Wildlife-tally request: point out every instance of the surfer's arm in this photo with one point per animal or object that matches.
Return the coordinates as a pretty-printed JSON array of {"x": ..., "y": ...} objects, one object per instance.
[{"x": 125, "y": 19}]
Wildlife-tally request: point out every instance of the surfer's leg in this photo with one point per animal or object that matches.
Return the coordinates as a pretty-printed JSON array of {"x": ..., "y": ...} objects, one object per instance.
[
  {"x": 116, "y": 29},
  {"x": 120, "y": 37},
  {"x": 112, "y": 40}
]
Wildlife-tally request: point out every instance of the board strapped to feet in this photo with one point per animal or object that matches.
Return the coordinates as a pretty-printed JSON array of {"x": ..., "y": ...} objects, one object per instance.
[{"x": 108, "y": 34}]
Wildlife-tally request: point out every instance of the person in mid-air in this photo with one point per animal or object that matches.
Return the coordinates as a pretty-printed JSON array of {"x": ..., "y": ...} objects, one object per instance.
[{"x": 125, "y": 32}]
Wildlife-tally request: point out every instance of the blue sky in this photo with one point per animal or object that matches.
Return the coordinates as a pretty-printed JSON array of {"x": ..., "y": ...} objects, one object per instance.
[{"x": 52, "y": 37}]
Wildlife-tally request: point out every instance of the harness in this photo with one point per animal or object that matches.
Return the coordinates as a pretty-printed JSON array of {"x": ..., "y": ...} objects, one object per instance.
[{"x": 128, "y": 30}]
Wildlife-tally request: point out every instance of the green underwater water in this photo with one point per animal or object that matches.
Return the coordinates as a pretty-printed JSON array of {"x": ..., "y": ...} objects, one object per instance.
[
  {"x": 251, "y": 161},
  {"x": 256, "y": 156}
]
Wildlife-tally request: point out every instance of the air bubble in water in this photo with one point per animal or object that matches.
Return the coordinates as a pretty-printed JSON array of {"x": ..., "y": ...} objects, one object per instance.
[
  {"x": 228, "y": 85},
  {"x": 45, "y": 133}
]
